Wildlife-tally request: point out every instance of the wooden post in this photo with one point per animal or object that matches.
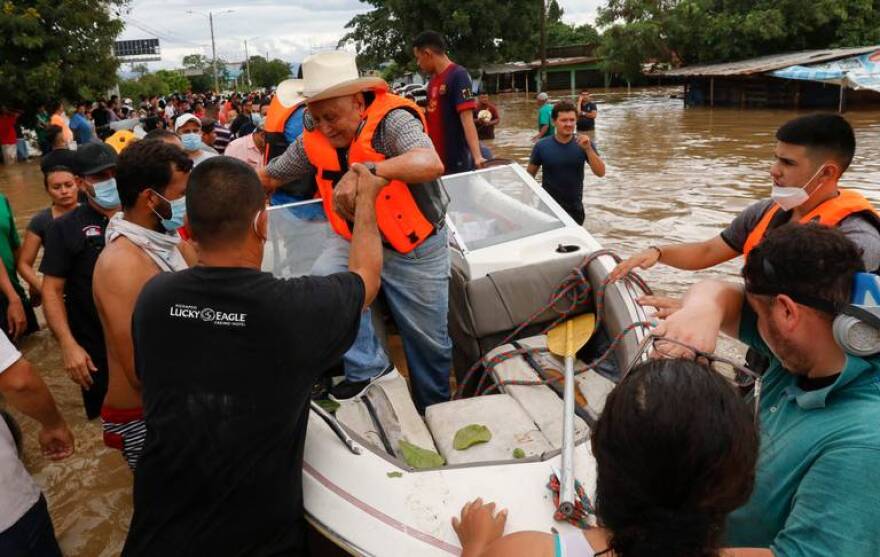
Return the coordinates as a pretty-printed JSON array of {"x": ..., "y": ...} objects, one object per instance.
[
  {"x": 841, "y": 105},
  {"x": 527, "y": 84},
  {"x": 711, "y": 91},
  {"x": 572, "y": 83},
  {"x": 497, "y": 83}
]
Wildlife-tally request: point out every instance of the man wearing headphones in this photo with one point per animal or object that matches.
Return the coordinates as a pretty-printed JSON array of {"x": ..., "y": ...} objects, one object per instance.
[{"x": 818, "y": 403}]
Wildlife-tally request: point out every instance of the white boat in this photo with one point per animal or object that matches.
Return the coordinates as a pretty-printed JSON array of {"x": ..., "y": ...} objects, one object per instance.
[{"x": 511, "y": 245}]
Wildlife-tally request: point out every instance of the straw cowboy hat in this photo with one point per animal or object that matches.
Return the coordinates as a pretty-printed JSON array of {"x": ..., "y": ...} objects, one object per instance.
[
  {"x": 327, "y": 75},
  {"x": 289, "y": 92}
]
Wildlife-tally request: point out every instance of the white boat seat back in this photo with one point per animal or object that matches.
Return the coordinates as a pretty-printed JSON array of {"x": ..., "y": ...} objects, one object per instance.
[
  {"x": 543, "y": 405},
  {"x": 393, "y": 417},
  {"x": 510, "y": 425}
]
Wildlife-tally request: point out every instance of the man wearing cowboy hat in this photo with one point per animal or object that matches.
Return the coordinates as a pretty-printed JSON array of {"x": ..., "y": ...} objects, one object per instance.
[{"x": 356, "y": 128}]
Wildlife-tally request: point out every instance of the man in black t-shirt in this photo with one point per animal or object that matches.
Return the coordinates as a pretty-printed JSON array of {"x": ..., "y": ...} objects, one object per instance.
[
  {"x": 73, "y": 244},
  {"x": 227, "y": 356}
]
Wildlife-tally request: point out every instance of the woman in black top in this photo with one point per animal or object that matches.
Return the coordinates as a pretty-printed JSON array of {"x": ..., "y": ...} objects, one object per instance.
[{"x": 60, "y": 184}]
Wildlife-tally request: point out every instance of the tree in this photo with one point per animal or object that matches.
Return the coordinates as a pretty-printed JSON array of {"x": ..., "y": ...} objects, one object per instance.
[
  {"x": 267, "y": 73},
  {"x": 560, "y": 33},
  {"x": 705, "y": 31},
  {"x": 176, "y": 82},
  {"x": 478, "y": 31},
  {"x": 51, "y": 49},
  {"x": 199, "y": 67}
]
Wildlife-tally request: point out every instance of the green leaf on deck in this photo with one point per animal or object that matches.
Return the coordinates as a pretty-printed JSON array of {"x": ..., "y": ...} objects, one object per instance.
[
  {"x": 418, "y": 457},
  {"x": 329, "y": 405},
  {"x": 471, "y": 435},
  {"x": 394, "y": 475},
  {"x": 519, "y": 453}
]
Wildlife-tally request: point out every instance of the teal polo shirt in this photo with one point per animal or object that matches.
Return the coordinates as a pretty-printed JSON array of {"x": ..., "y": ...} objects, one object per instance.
[
  {"x": 545, "y": 118},
  {"x": 817, "y": 489}
]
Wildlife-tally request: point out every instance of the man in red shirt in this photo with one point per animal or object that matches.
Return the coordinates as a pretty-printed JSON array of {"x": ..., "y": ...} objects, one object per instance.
[
  {"x": 7, "y": 134},
  {"x": 451, "y": 106},
  {"x": 486, "y": 125}
]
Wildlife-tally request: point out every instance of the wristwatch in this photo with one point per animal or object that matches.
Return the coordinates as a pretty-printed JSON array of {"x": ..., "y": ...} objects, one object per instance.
[{"x": 371, "y": 166}]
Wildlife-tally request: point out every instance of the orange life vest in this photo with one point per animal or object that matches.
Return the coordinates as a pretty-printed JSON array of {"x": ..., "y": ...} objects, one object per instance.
[
  {"x": 401, "y": 222},
  {"x": 276, "y": 119},
  {"x": 829, "y": 213}
]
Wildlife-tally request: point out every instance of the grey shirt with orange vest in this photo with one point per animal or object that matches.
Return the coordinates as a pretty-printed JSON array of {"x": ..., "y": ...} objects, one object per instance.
[
  {"x": 390, "y": 134},
  {"x": 861, "y": 228}
]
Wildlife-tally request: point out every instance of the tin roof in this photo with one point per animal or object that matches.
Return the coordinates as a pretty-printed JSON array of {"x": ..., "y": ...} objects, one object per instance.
[
  {"x": 513, "y": 67},
  {"x": 764, "y": 64}
]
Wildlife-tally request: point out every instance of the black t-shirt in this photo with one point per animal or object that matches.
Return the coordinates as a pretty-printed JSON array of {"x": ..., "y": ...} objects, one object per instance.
[
  {"x": 227, "y": 357},
  {"x": 583, "y": 122},
  {"x": 40, "y": 223},
  {"x": 72, "y": 245}
]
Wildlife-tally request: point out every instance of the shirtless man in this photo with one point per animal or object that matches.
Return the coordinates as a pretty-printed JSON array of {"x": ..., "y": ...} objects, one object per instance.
[{"x": 142, "y": 242}]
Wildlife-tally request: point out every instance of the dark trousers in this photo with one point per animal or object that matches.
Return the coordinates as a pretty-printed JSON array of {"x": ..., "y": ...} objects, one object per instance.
[
  {"x": 577, "y": 213},
  {"x": 32, "y": 536}
]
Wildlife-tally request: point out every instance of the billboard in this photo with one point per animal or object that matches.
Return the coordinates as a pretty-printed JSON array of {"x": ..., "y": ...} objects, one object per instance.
[{"x": 139, "y": 49}]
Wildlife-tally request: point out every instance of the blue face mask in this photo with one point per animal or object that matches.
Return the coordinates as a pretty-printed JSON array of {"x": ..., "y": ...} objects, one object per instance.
[
  {"x": 191, "y": 141},
  {"x": 257, "y": 119},
  {"x": 178, "y": 211},
  {"x": 106, "y": 194}
]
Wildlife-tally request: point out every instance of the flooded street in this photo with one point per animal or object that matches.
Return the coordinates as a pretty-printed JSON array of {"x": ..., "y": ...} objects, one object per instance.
[{"x": 673, "y": 174}]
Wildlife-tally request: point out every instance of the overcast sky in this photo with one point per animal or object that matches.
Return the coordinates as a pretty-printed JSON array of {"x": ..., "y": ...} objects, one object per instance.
[{"x": 287, "y": 30}]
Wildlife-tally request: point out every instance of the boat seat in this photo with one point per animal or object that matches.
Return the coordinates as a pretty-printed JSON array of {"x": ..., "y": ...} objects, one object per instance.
[
  {"x": 540, "y": 402},
  {"x": 385, "y": 415},
  {"x": 594, "y": 386},
  {"x": 509, "y": 424}
]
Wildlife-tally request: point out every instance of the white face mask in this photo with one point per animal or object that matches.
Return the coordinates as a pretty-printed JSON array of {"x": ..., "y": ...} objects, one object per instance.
[{"x": 788, "y": 198}]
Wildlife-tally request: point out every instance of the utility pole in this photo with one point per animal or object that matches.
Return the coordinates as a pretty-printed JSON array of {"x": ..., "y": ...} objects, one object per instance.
[
  {"x": 542, "y": 71},
  {"x": 214, "y": 49},
  {"x": 213, "y": 44},
  {"x": 247, "y": 62}
]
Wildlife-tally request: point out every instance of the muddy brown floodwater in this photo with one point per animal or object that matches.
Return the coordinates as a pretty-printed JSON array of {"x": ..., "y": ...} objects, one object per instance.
[{"x": 673, "y": 174}]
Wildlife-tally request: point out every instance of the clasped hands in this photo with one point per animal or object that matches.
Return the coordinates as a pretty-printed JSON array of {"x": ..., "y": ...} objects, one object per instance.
[{"x": 357, "y": 181}]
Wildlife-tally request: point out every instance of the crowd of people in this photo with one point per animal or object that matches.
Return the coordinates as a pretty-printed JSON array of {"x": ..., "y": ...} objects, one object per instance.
[{"x": 151, "y": 283}]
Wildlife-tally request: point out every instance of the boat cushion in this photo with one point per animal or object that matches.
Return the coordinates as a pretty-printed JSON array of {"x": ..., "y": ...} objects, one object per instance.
[
  {"x": 541, "y": 402},
  {"x": 501, "y": 301},
  {"x": 509, "y": 424},
  {"x": 594, "y": 387}
]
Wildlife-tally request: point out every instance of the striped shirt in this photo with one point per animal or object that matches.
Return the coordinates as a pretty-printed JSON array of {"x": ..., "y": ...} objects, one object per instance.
[{"x": 222, "y": 137}]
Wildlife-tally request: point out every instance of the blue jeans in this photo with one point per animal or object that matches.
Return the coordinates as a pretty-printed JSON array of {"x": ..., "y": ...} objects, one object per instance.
[
  {"x": 32, "y": 536},
  {"x": 416, "y": 287}
]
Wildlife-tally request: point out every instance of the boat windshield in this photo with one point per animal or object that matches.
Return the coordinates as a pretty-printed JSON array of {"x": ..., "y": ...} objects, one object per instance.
[
  {"x": 494, "y": 206},
  {"x": 298, "y": 233}
]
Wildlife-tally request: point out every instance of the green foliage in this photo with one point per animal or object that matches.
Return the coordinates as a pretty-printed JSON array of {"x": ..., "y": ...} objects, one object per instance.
[
  {"x": 161, "y": 83},
  {"x": 51, "y": 49},
  {"x": 176, "y": 82},
  {"x": 518, "y": 453},
  {"x": 329, "y": 405},
  {"x": 471, "y": 435},
  {"x": 267, "y": 73},
  {"x": 478, "y": 31},
  {"x": 418, "y": 457},
  {"x": 560, "y": 33},
  {"x": 705, "y": 31},
  {"x": 196, "y": 62}
]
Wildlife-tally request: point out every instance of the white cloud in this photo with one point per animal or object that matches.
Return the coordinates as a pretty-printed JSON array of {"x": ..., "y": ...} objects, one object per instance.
[{"x": 289, "y": 31}]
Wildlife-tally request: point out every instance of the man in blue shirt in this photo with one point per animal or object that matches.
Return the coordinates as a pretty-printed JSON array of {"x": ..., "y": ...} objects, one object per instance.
[
  {"x": 818, "y": 481},
  {"x": 80, "y": 125},
  {"x": 562, "y": 156}
]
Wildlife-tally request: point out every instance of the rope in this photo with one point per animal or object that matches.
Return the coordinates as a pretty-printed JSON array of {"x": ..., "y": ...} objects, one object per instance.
[
  {"x": 573, "y": 294},
  {"x": 583, "y": 507}
]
